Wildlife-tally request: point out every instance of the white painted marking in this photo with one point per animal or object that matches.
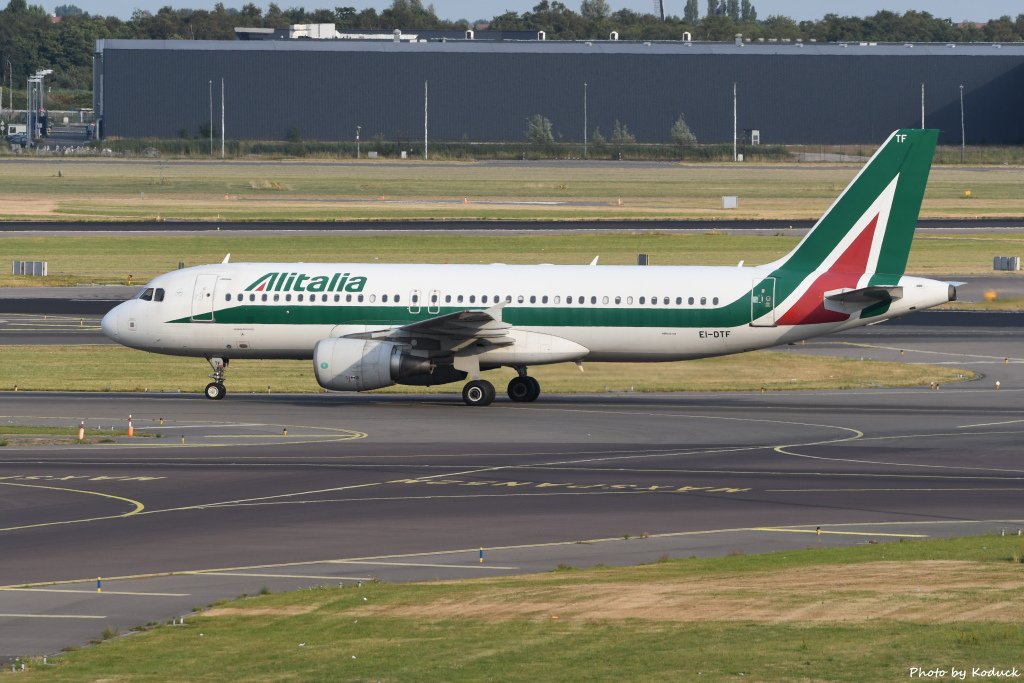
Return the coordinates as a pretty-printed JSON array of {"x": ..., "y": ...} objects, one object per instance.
[
  {"x": 421, "y": 564},
  {"x": 990, "y": 424},
  {"x": 95, "y": 592},
  {"x": 281, "y": 576},
  {"x": 51, "y": 616}
]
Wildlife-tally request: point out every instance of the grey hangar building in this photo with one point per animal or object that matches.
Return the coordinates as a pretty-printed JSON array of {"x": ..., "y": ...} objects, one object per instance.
[{"x": 484, "y": 91}]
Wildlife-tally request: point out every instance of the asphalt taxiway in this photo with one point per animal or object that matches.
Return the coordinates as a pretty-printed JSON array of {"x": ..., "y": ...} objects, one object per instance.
[{"x": 215, "y": 499}]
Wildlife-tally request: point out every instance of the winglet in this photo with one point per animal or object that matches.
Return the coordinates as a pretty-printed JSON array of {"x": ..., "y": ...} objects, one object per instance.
[
  {"x": 227, "y": 259},
  {"x": 594, "y": 262},
  {"x": 495, "y": 311}
]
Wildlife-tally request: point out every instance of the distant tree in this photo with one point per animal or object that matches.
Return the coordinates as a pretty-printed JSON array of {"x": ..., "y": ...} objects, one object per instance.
[
  {"x": 748, "y": 11},
  {"x": 67, "y": 10},
  {"x": 712, "y": 8},
  {"x": 594, "y": 10},
  {"x": 598, "y": 139},
  {"x": 621, "y": 134},
  {"x": 732, "y": 9},
  {"x": 681, "y": 134},
  {"x": 691, "y": 13},
  {"x": 538, "y": 131}
]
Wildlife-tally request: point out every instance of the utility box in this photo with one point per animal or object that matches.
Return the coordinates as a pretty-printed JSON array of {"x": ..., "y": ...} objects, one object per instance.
[
  {"x": 36, "y": 268},
  {"x": 371, "y": 155},
  {"x": 1006, "y": 263},
  {"x": 730, "y": 202},
  {"x": 642, "y": 260},
  {"x": 752, "y": 136}
]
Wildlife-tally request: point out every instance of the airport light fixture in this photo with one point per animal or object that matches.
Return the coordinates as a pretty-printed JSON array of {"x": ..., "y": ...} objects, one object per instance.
[
  {"x": 358, "y": 128},
  {"x": 963, "y": 131}
]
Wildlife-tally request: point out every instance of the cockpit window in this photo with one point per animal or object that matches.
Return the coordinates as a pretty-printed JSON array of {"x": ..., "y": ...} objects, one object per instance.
[
  {"x": 147, "y": 295},
  {"x": 158, "y": 295}
]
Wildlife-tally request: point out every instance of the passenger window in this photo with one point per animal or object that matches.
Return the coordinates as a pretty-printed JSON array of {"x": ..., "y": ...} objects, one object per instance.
[
  {"x": 227, "y": 297},
  {"x": 533, "y": 299},
  {"x": 447, "y": 298},
  {"x": 642, "y": 299},
  {"x": 629, "y": 300},
  {"x": 703, "y": 300},
  {"x": 324, "y": 298},
  {"x": 147, "y": 295},
  {"x": 348, "y": 298},
  {"x": 415, "y": 298},
  {"x": 252, "y": 297},
  {"x": 483, "y": 298},
  {"x": 433, "y": 298},
  {"x": 263, "y": 297},
  {"x": 604, "y": 300},
  {"x": 300, "y": 297},
  {"x": 690, "y": 301},
  {"x": 373, "y": 298},
  {"x": 520, "y": 298},
  {"x": 593, "y": 299},
  {"x": 337, "y": 298},
  {"x": 472, "y": 298},
  {"x": 359, "y": 298},
  {"x": 666, "y": 301},
  {"x": 654, "y": 301},
  {"x": 568, "y": 299},
  {"x": 558, "y": 299},
  {"x": 277, "y": 297},
  {"x": 458, "y": 299},
  {"x": 679, "y": 300},
  {"x": 384, "y": 298},
  {"x": 397, "y": 298},
  {"x": 544, "y": 299},
  {"x": 508, "y": 298},
  {"x": 287, "y": 297},
  {"x": 715, "y": 301},
  {"x": 618, "y": 300}
]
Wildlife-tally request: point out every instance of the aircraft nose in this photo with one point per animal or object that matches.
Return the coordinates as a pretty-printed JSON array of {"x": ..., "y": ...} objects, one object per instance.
[{"x": 109, "y": 323}]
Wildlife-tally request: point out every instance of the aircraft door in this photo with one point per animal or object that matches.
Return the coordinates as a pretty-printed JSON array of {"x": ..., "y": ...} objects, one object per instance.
[
  {"x": 434, "y": 302},
  {"x": 202, "y": 297},
  {"x": 762, "y": 303}
]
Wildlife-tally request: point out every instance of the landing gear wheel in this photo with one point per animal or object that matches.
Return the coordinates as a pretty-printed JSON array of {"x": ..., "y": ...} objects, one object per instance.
[
  {"x": 479, "y": 392},
  {"x": 215, "y": 391},
  {"x": 535, "y": 388},
  {"x": 523, "y": 389}
]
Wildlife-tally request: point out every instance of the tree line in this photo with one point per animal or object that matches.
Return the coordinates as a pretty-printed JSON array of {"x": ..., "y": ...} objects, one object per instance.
[{"x": 31, "y": 40}]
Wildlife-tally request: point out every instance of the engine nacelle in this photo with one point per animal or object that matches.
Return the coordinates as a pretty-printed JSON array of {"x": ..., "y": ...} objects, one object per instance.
[{"x": 361, "y": 365}]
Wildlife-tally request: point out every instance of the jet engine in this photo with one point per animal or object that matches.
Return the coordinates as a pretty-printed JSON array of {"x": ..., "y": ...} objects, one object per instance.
[{"x": 361, "y": 365}]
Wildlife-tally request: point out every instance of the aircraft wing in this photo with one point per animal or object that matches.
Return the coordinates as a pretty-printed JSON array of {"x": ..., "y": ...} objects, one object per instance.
[{"x": 453, "y": 330}]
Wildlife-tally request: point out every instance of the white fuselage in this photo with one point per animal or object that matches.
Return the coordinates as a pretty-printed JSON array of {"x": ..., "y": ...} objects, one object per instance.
[{"x": 557, "y": 313}]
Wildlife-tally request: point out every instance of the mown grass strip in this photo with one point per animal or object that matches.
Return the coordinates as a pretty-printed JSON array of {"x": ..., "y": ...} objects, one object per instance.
[
  {"x": 82, "y": 259},
  {"x": 533, "y": 633},
  {"x": 115, "y": 368}
]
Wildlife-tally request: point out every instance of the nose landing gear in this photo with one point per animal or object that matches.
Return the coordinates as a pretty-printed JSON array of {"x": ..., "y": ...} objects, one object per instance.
[{"x": 216, "y": 390}]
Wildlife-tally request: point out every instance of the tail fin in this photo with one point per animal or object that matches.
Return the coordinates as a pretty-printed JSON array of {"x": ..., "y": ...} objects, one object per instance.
[{"x": 868, "y": 229}]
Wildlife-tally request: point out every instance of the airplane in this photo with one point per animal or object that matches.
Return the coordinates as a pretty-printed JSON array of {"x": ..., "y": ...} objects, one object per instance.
[{"x": 368, "y": 326}]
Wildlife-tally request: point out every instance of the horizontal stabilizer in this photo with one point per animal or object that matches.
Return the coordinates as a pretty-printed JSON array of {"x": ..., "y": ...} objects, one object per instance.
[{"x": 867, "y": 295}]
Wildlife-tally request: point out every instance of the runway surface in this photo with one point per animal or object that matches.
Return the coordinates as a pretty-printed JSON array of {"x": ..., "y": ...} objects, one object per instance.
[
  {"x": 448, "y": 225},
  {"x": 401, "y": 488}
]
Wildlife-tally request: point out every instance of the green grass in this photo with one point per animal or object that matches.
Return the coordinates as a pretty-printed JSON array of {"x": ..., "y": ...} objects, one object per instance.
[
  {"x": 122, "y": 189},
  {"x": 81, "y": 259},
  {"x": 115, "y": 368},
  {"x": 42, "y": 430},
  {"x": 367, "y": 634}
]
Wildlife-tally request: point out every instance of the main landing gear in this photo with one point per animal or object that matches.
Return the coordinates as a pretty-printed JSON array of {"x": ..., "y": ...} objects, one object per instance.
[
  {"x": 216, "y": 390},
  {"x": 521, "y": 389}
]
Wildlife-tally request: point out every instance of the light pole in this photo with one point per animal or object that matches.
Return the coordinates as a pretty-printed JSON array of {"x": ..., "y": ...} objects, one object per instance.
[
  {"x": 211, "y": 118},
  {"x": 584, "y": 119},
  {"x": 358, "y": 128},
  {"x": 222, "y": 118},
  {"x": 963, "y": 130}
]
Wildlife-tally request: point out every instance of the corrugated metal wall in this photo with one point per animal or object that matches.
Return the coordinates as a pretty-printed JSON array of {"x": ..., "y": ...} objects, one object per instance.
[{"x": 487, "y": 95}]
